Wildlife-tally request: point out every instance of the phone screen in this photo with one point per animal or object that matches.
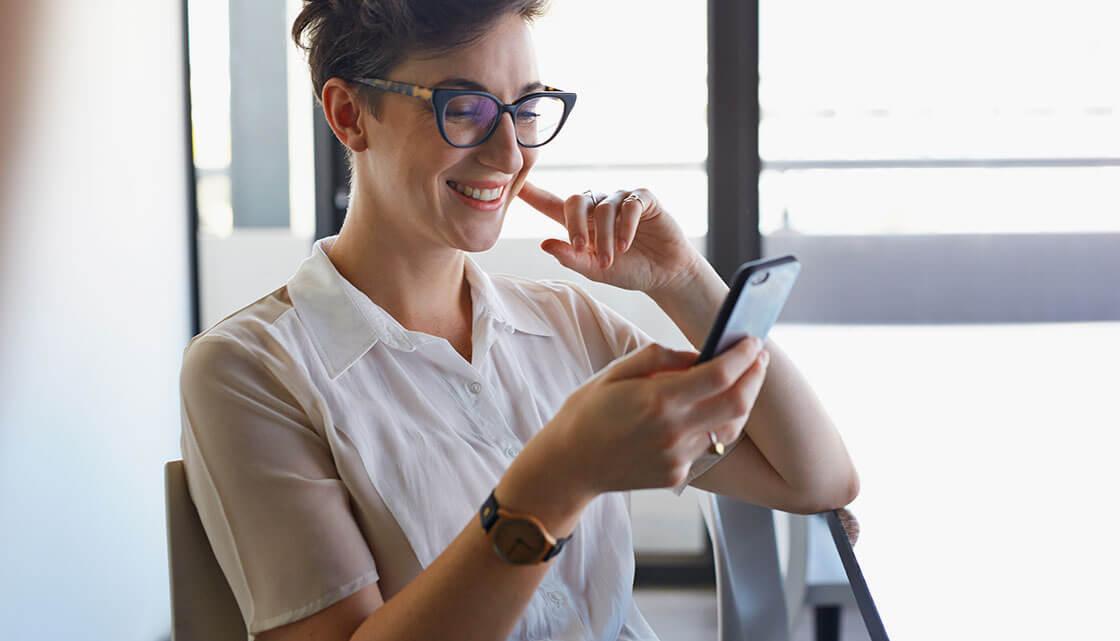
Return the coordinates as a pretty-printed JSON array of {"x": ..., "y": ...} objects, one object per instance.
[{"x": 757, "y": 295}]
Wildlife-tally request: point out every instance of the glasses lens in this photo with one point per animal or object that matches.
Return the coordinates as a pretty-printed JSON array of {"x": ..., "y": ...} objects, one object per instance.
[
  {"x": 538, "y": 119},
  {"x": 467, "y": 119}
]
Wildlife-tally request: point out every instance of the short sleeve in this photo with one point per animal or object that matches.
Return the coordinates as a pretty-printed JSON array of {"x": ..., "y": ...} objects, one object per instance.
[
  {"x": 266, "y": 488},
  {"x": 624, "y": 336}
]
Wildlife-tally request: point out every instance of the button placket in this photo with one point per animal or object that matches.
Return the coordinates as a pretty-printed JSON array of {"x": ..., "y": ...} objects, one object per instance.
[{"x": 486, "y": 416}]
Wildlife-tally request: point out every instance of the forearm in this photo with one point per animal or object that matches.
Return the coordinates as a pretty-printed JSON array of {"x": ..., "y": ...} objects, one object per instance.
[
  {"x": 468, "y": 592},
  {"x": 693, "y": 303},
  {"x": 788, "y": 424}
]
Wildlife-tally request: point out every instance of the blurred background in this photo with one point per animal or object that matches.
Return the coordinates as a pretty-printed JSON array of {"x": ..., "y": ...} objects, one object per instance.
[{"x": 948, "y": 174}]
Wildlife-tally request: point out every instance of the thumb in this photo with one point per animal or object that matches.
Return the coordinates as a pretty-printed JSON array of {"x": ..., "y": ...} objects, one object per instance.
[{"x": 650, "y": 359}]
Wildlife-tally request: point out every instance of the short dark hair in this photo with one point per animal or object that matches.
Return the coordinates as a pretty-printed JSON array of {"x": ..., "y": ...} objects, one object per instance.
[{"x": 368, "y": 38}]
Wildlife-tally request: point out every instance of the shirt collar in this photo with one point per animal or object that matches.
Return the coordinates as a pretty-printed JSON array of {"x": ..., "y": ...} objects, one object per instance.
[{"x": 344, "y": 323}]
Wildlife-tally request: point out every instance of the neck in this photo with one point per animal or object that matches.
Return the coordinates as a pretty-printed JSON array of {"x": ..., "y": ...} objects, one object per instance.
[{"x": 421, "y": 285}]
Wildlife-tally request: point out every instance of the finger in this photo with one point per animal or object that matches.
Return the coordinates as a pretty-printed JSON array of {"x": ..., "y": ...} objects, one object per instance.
[
  {"x": 604, "y": 215},
  {"x": 592, "y": 237},
  {"x": 630, "y": 214},
  {"x": 851, "y": 525},
  {"x": 580, "y": 262},
  {"x": 543, "y": 201},
  {"x": 647, "y": 360},
  {"x": 727, "y": 412},
  {"x": 576, "y": 211},
  {"x": 726, "y": 415},
  {"x": 716, "y": 375}
]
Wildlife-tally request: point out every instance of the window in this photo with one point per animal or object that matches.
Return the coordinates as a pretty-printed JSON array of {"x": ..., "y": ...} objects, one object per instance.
[
  {"x": 882, "y": 117},
  {"x": 254, "y": 161},
  {"x": 947, "y": 173},
  {"x": 641, "y": 116}
]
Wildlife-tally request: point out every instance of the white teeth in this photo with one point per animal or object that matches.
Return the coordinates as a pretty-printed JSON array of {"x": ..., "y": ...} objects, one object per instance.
[{"x": 484, "y": 195}]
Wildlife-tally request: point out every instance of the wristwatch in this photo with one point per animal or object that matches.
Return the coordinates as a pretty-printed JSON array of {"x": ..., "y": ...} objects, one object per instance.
[{"x": 518, "y": 538}]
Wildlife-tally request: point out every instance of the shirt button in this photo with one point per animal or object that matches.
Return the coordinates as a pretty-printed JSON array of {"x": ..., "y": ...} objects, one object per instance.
[
  {"x": 475, "y": 387},
  {"x": 556, "y": 597},
  {"x": 511, "y": 451}
]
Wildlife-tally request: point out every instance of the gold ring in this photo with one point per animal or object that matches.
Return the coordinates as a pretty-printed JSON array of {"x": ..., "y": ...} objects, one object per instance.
[{"x": 717, "y": 447}]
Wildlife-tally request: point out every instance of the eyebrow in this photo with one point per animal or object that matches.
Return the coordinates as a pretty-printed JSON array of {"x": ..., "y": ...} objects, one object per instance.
[{"x": 471, "y": 84}]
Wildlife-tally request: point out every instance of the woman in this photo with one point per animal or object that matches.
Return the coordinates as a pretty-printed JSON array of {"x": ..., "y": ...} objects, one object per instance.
[{"x": 350, "y": 437}]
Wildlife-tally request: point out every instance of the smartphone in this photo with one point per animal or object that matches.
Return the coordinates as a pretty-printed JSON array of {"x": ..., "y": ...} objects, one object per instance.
[{"x": 758, "y": 292}]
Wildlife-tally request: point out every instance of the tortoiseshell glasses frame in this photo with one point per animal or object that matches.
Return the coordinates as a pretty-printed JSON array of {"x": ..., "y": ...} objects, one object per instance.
[{"x": 440, "y": 98}]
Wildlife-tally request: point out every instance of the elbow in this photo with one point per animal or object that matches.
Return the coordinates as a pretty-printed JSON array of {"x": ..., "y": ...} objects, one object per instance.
[
  {"x": 831, "y": 497},
  {"x": 852, "y": 487}
]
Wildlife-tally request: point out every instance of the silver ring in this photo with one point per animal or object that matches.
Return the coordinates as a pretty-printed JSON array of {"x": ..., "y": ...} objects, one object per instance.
[
  {"x": 717, "y": 447},
  {"x": 587, "y": 192},
  {"x": 637, "y": 198}
]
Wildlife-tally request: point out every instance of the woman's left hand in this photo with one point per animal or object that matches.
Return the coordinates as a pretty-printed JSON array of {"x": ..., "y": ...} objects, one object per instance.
[{"x": 625, "y": 239}]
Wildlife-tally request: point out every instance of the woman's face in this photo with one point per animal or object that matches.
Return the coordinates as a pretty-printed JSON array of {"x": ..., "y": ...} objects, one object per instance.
[{"x": 409, "y": 170}]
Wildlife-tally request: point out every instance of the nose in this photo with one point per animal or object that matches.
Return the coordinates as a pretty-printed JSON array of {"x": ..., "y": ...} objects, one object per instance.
[{"x": 501, "y": 151}]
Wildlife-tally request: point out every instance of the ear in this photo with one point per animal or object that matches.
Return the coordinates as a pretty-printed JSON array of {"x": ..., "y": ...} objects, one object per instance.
[{"x": 342, "y": 108}]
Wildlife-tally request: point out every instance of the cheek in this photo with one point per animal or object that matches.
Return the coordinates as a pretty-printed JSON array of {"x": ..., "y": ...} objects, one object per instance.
[
  {"x": 427, "y": 156},
  {"x": 437, "y": 164}
]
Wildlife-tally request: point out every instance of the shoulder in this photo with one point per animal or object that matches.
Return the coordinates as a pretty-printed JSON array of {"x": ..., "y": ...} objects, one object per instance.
[
  {"x": 250, "y": 364},
  {"x": 257, "y": 337}
]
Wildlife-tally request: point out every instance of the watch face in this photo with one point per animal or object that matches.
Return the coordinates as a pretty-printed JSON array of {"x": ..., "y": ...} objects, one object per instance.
[{"x": 519, "y": 541}]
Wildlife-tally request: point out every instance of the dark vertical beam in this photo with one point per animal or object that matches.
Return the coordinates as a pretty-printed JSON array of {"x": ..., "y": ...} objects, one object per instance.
[
  {"x": 191, "y": 177},
  {"x": 733, "y": 115},
  {"x": 258, "y": 95}
]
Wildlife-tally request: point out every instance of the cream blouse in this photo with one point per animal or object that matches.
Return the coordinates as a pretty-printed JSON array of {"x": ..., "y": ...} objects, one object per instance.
[{"x": 327, "y": 447}]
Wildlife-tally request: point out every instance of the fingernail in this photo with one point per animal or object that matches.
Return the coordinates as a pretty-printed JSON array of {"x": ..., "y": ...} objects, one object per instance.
[
  {"x": 604, "y": 260},
  {"x": 577, "y": 242},
  {"x": 621, "y": 245},
  {"x": 765, "y": 357}
]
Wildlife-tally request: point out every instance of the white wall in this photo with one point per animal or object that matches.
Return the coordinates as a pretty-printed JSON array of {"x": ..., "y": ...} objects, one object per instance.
[
  {"x": 94, "y": 317},
  {"x": 237, "y": 269}
]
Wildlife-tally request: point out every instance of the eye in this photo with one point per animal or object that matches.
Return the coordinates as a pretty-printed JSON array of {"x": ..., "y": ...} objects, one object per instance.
[
  {"x": 463, "y": 111},
  {"x": 470, "y": 108}
]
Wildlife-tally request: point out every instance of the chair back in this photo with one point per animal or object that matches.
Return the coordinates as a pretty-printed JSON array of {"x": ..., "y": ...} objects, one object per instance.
[
  {"x": 768, "y": 576},
  {"x": 750, "y": 594},
  {"x": 203, "y": 607}
]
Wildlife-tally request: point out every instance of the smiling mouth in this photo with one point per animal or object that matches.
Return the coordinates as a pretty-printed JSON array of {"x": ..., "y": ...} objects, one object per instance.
[{"x": 481, "y": 195}]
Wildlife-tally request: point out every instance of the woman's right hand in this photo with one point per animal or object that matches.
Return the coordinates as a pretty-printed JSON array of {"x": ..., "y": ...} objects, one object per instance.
[{"x": 641, "y": 421}]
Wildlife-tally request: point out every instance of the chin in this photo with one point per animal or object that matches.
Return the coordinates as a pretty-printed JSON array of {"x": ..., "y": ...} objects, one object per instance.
[
  {"x": 479, "y": 239},
  {"x": 477, "y": 235}
]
